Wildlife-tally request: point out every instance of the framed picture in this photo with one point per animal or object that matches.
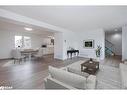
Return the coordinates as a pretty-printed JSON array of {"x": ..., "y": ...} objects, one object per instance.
[{"x": 88, "y": 43}]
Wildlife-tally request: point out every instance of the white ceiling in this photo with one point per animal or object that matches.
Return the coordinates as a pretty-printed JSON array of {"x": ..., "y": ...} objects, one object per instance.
[
  {"x": 115, "y": 30},
  {"x": 19, "y": 27},
  {"x": 75, "y": 18}
]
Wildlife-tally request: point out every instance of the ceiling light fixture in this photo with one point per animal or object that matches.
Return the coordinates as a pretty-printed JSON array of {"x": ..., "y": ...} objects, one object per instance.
[{"x": 28, "y": 29}]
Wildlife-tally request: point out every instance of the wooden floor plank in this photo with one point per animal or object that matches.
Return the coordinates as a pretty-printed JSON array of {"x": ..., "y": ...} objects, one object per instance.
[{"x": 31, "y": 74}]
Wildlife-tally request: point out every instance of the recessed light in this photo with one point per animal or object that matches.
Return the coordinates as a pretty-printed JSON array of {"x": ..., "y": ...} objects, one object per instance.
[{"x": 28, "y": 29}]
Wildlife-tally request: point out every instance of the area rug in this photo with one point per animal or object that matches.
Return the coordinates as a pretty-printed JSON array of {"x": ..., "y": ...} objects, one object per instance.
[
  {"x": 11, "y": 63},
  {"x": 108, "y": 77},
  {"x": 8, "y": 64}
]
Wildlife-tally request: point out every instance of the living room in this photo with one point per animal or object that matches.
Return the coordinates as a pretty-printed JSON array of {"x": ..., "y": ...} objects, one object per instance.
[{"x": 82, "y": 28}]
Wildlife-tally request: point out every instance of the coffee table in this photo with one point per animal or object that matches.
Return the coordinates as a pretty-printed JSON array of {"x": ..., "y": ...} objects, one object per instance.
[{"x": 90, "y": 67}]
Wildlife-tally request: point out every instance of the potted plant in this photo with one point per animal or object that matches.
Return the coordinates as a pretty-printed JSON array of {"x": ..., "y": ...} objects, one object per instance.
[{"x": 98, "y": 51}]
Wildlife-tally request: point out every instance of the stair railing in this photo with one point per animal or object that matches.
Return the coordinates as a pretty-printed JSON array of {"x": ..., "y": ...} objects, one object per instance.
[{"x": 109, "y": 48}]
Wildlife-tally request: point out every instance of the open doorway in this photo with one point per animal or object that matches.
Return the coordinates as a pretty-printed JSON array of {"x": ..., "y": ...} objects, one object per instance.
[
  {"x": 113, "y": 43},
  {"x": 48, "y": 45}
]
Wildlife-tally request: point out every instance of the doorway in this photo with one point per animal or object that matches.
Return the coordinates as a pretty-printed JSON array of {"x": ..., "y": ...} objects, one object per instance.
[{"x": 113, "y": 43}]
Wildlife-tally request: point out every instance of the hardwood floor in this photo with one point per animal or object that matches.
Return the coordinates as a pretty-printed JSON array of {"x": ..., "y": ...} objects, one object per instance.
[
  {"x": 112, "y": 61},
  {"x": 31, "y": 74}
]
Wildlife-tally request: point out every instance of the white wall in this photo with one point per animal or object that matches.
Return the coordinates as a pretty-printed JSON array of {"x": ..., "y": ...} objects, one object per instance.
[
  {"x": 47, "y": 41},
  {"x": 98, "y": 36},
  {"x": 124, "y": 42},
  {"x": 7, "y": 42},
  {"x": 69, "y": 40},
  {"x": 75, "y": 40},
  {"x": 58, "y": 46},
  {"x": 116, "y": 40},
  {"x": 62, "y": 42}
]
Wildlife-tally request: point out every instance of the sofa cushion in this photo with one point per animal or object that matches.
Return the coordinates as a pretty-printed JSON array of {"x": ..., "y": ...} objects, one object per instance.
[
  {"x": 72, "y": 79},
  {"x": 123, "y": 67},
  {"x": 125, "y": 62},
  {"x": 91, "y": 82},
  {"x": 123, "y": 71}
]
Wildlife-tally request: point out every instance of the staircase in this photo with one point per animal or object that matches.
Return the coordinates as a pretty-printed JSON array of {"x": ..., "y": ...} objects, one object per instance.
[{"x": 109, "y": 49}]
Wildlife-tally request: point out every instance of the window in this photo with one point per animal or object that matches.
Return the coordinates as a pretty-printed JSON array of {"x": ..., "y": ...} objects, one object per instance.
[
  {"x": 27, "y": 42},
  {"x": 18, "y": 41},
  {"x": 23, "y": 42}
]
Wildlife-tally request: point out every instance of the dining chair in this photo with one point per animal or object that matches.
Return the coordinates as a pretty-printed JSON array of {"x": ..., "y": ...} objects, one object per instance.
[
  {"x": 39, "y": 53},
  {"x": 17, "y": 55}
]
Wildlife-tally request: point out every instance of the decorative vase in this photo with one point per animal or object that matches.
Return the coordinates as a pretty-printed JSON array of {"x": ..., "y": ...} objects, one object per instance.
[
  {"x": 98, "y": 52},
  {"x": 98, "y": 59}
]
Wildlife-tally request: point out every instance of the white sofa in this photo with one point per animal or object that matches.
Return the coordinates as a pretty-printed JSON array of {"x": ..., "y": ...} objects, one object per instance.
[
  {"x": 64, "y": 79},
  {"x": 123, "y": 73}
]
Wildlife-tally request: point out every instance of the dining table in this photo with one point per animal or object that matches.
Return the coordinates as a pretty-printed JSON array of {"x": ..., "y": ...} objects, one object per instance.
[{"x": 29, "y": 52}]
